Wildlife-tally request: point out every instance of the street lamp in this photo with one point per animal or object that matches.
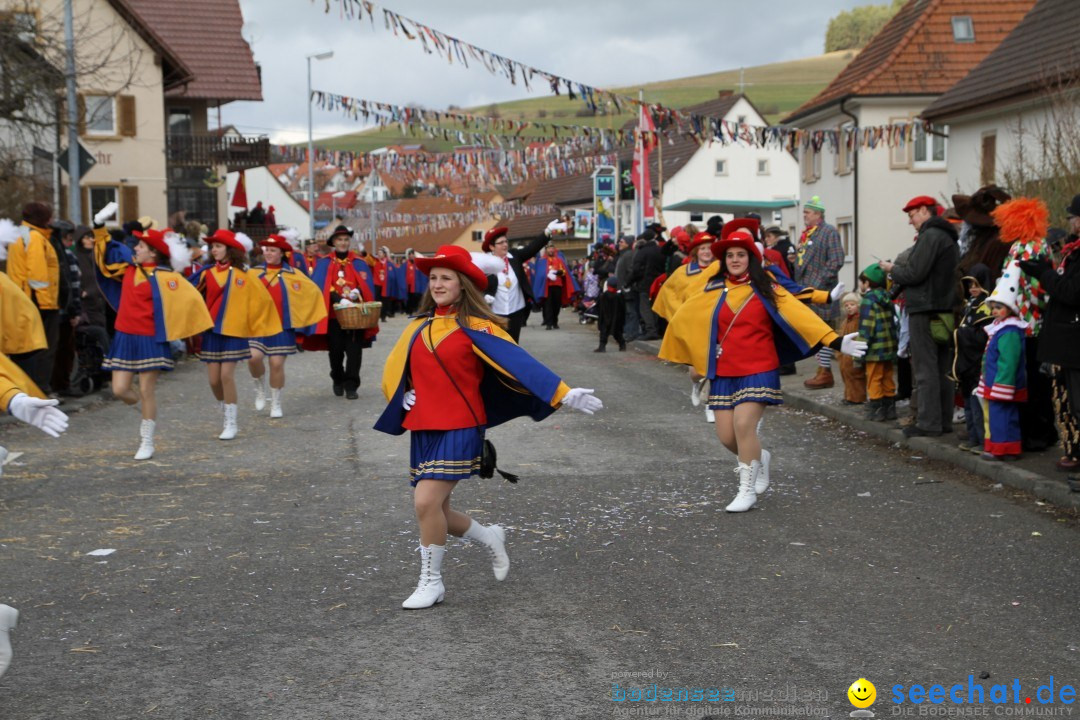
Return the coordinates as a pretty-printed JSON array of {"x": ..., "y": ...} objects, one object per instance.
[
  {"x": 333, "y": 204},
  {"x": 311, "y": 141}
]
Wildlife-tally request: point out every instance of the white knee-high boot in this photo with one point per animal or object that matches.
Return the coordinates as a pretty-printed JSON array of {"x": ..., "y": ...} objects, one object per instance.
[
  {"x": 492, "y": 537},
  {"x": 260, "y": 391},
  {"x": 761, "y": 483},
  {"x": 146, "y": 440},
  {"x": 9, "y": 618},
  {"x": 230, "y": 422},
  {"x": 430, "y": 590},
  {"x": 746, "y": 497},
  {"x": 275, "y": 402}
]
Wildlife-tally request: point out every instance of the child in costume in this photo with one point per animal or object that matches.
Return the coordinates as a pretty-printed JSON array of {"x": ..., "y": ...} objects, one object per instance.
[
  {"x": 852, "y": 372},
  {"x": 241, "y": 308},
  {"x": 342, "y": 275},
  {"x": 453, "y": 373},
  {"x": 970, "y": 337},
  {"x": 877, "y": 326},
  {"x": 737, "y": 332},
  {"x": 1003, "y": 385},
  {"x": 154, "y": 305},
  {"x": 299, "y": 303}
]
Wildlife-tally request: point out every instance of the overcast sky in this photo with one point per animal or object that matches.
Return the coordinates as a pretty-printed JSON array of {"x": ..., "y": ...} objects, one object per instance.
[{"x": 596, "y": 42}]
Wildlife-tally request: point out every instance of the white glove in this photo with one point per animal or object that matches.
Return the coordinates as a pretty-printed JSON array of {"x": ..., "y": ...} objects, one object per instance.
[
  {"x": 489, "y": 299},
  {"x": 836, "y": 293},
  {"x": 552, "y": 276},
  {"x": 42, "y": 414},
  {"x": 354, "y": 294},
  {"x": 583, "y": 400},
  {"x": 105, "y": 213},
  {"x": 850, "y": 346},
  {"x": 409, "y": 400}
]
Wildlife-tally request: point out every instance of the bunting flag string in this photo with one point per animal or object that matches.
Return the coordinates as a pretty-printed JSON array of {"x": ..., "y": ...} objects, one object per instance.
[
  {"x": 703, "y": 128},
  {"x": 451, "y": 219}
]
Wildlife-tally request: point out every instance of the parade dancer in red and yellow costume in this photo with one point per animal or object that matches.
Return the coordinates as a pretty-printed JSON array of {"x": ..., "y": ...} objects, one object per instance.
[
  {"x": 737, "y": 332},
  {"x": 241, "y": 309},
  {"x": 154, "y": 305},
  {"x": 299, "y": 304},
  {"x": 453, "y": 373}
]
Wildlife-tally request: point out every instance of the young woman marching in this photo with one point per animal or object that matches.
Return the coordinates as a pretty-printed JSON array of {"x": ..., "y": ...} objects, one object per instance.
[
  {"x": 241, "y": 308},
  {"x": 299, "y": 304},
  {"x": 737, "y": 332},
  {"x": 453, "y": 373},
  {"x": 154, "y": 305}
]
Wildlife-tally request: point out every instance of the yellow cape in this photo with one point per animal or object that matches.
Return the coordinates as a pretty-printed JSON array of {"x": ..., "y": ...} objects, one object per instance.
[
  {"x": 248, "y": 310},
  {"x": 21, "y": 330},
  {"x": 442, "y": 326},
  {"x": 304, "y": 299},
  {"x": 690, "y": 337},
  {"x": 686, "y": 281},
  {"x": 14, "y": 381}
]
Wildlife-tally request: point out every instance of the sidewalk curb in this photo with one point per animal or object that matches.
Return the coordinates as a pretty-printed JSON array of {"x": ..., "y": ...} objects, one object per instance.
[{"x": 1053, "y": 490}]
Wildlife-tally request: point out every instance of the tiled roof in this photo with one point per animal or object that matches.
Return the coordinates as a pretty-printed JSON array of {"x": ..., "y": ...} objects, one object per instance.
[
  {"x": 525, "y": 227},
  {"x": 916, "y": 53},
  {"x": 175, "y": 71},
  {"x": 1038, "y": 51},
  {"x": 205, "y": 34}
]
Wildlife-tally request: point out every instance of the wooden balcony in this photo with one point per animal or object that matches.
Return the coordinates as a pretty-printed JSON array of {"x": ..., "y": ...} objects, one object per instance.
[{"x": 209, "y": 150}]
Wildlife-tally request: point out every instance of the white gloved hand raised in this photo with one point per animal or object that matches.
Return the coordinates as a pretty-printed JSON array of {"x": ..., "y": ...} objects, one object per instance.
[
  {"x": 489, "y": 299},
  {"x": 850, "y": 346},
  {"x": 552, "y": 276},
  {"x": 105, "y": 213},
  {"x": 354, "y": 294},
  {"x": 837, "y": 292},
  {"x": 42, "y": 414},
  {"x": 409, "y": 400},
  {"x": 583, "y": 400}
]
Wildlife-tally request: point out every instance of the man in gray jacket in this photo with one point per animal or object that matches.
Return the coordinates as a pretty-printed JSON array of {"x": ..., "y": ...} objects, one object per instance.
[
  {"x": 928, "y": 277},
  {"x": 623, "y": 265}
]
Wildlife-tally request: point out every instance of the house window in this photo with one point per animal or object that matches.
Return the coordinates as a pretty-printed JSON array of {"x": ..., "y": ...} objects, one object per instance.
[
  {"x": 180, "y": 122},
  {"x": 811, "y": 165},
  {"x": 988, "y": 163},
  {"x": 100, "y": 115},
  {"x": 762, "y": 167},
  {"x": 843, "y": 153},
  {"x": 963, "y": 30},
  {"x": 741, "y": 119},
  {"x": 846, "y": 228},
  {"x": 721, "y": 167},
  {"x": 900, "y": 153},
  {"x": 478, "y": 235},
  {"x": 101, "y": 196},
  {"x": 929, "y": 147},
  {"x": 696, "y": 217}
]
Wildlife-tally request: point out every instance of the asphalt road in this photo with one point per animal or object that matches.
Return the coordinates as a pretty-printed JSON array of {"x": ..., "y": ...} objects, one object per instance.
[{"x": 262, "y": 578}]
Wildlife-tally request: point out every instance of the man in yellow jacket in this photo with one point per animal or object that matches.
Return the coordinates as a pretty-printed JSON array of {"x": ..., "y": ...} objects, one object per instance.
[{"x": 34, "y": 266}]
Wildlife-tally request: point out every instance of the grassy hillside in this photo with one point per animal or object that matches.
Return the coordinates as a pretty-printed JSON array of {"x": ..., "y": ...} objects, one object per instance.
[{"x": 776, "y": 90}]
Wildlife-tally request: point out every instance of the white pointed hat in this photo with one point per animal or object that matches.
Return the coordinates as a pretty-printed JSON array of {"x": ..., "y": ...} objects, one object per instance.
[{"x": 1007, "y": 288}]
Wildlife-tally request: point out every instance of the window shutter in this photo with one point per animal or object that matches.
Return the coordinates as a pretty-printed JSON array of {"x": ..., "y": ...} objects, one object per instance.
[
  {"x": 126, "y": 121},
  {"x": 62, "y": 210},
  {"x": 988, "y": 166},
  {"x": 81, "y": 114},
  {"x": 129, "y": 203}
]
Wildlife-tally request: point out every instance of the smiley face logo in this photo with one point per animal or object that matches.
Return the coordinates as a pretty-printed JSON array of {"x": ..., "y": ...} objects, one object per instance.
[{"x": 862, "y": 693}]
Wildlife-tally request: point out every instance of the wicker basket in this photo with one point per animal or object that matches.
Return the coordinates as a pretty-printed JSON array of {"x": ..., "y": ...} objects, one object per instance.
[{"x": 360, "y": 316}]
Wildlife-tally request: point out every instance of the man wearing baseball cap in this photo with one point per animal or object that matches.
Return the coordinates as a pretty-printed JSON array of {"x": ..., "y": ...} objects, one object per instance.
[{"x": 928, "y": 276}]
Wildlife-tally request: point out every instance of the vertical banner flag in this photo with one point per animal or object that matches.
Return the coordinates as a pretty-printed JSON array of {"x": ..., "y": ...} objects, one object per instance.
[
  {"x": 642, "y": 182},
  {"x": 583, "y": 223},
  {"x": 604, "y": 201},
  {"x": 239, "y": 196}
]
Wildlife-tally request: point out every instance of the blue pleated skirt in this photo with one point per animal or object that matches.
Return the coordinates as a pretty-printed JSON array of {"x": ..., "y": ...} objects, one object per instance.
[
  {"x": 138, "y": 353},
  {"x": 727, "y": 392},
  {"x": 217, "y": 348},
  {"x": 284, "y": 343},
  {"x": 445, "y": 454}
]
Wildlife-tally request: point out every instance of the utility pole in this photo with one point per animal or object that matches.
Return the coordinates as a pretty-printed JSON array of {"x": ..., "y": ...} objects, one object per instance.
[{"x": 74, "y": 189}]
